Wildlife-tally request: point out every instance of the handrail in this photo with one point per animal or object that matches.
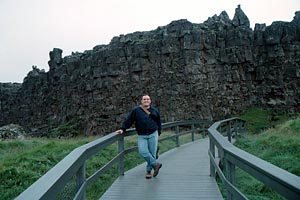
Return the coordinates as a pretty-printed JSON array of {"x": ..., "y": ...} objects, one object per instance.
[
  {"x": 73, "y": 165},
  {"x": 282, "y": 181}
]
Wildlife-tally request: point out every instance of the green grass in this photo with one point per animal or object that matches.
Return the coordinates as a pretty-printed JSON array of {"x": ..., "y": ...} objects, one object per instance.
[
  {"x": 278, "y": 144},
  {"x": 22, "y": 162},
  {"x": 258, "y": 119}
]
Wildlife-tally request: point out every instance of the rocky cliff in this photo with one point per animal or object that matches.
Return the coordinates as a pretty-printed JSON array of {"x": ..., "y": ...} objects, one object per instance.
[{"x": 208, "y": 70}]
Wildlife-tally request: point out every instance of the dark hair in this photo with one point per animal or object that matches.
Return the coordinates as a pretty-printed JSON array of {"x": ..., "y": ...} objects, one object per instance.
[{"x": 145, "y": 94}]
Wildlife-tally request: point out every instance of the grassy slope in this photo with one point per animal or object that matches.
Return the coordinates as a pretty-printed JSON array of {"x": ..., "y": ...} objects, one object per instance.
[
  {"x": 278, "y": 144},
  {"x": 24, "y": 161}
]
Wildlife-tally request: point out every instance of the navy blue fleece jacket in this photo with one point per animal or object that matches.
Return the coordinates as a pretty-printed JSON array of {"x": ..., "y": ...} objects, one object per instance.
[{"x": 145, "y": 124}]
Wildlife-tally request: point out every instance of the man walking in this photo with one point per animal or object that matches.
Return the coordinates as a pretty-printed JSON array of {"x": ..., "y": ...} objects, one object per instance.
[{"x": 148, "y": 126}]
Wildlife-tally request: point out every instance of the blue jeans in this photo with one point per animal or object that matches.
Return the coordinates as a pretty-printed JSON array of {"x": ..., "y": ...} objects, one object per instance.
[{"x": 147, "y": 145}]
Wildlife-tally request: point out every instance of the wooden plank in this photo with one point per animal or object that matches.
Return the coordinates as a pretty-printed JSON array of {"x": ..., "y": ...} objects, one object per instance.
[{"x": 184, "y": 175}]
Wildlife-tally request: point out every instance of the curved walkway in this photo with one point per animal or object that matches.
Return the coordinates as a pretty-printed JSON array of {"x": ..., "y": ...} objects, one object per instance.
[{"x": 184, "y": 175}]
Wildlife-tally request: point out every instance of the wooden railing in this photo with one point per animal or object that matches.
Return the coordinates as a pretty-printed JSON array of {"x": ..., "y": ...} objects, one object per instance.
[
  {"x": 221, "y": 150},
  {"x": 67, "y": 179}
]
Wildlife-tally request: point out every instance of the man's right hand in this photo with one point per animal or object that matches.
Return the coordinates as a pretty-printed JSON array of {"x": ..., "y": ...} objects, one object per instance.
[{"x": 120, "y": 131}]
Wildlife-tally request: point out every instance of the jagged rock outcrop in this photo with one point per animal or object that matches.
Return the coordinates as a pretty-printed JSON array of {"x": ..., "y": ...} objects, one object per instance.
[{"x": 208, "y": 70}]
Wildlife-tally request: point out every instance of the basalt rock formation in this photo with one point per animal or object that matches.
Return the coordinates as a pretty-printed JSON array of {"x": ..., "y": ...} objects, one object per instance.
[{"x": 206, "y": 71}]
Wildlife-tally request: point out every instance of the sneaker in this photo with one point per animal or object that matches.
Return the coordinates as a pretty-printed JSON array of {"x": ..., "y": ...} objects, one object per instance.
[
  {"x": 148, "y": 174},
  {"x": 156, "y": 169}
]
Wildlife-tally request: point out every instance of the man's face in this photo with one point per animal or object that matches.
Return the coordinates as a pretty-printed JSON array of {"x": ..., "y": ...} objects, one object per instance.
[{"x": 146, "y": 101}]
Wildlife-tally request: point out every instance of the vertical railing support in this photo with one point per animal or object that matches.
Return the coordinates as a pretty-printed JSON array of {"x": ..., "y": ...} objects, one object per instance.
[
  {"x": 193, "y": 132},
  {"x": 80, "y": 178},
  {"x": 212, "y": 151},
  {"x": 239, "y": 126},
  {"x": 177, "y": 136},
  {"x": 121, "y": 161},
  {"x": 230, "y": 175},
  {"x": 228, "y": 127},
  {"x": 203, "y": 130},
  {"x": 243, "y": 128},
  {"x": 235, "y": 127}
]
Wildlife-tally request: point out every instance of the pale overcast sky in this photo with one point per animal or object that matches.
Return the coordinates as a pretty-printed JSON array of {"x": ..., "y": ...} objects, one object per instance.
[{"x": 32, "y": 28}]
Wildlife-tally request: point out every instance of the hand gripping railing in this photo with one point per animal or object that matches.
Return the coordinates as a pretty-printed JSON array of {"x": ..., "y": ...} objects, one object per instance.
[
  {"x": 72, "y": 167},
  {"x": 220, "y": 149}
]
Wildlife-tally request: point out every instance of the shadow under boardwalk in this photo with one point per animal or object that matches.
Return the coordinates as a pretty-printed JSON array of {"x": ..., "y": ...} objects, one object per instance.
[{"x": 184, "y": 175}]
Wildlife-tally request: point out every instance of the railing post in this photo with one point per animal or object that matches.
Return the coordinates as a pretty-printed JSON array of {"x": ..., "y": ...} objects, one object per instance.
[
  {"x": 212, "y": 151},
  {"x": 193, "y": 132},
  {"x": 243, "y": 127},
  {"x": 237, "y": 126},
  {"x": 235, "y": 129},
  {"x": 230, "y": 173},
  {"x": 177, "y": 136},
  {"x": 121, "y": 161},
  {"x": 203, "y": 130},
  {"x": 80, "y": 178},
  {"x": 228, "y": 131}
]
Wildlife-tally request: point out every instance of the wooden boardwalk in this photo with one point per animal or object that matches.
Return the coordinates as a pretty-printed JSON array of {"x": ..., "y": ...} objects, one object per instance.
[{"x": 183, "y": 176}]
